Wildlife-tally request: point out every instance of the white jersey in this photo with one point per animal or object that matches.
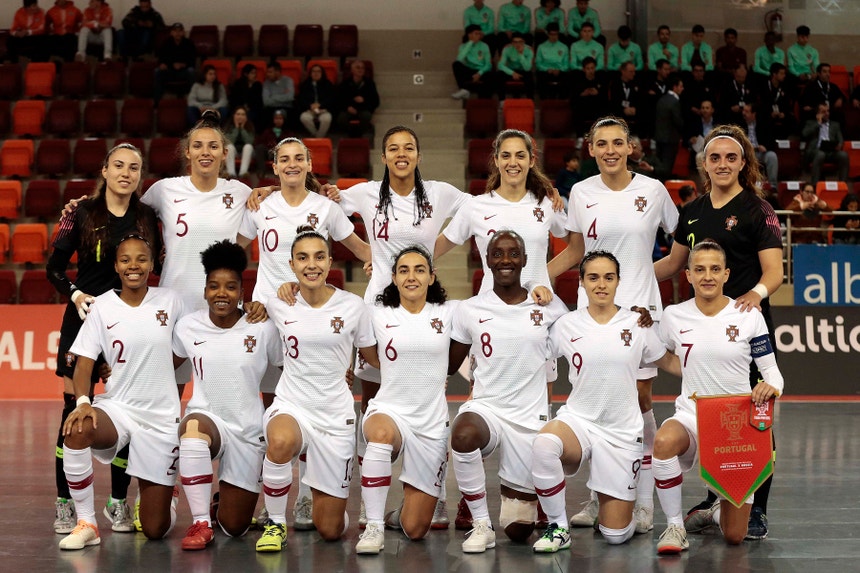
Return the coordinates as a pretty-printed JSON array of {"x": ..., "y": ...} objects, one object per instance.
[
  {"x": 318, "y": 346},
  {"x": 413, "y": 356},
  {"x": 136, "y": 342},
  {"x": 532, "y": 220},
  {"x": 510, "y": 347},
  {"x": 387, "y": 238},
  {"x": 191, "y": 221},
  {"x": 715, "y": 351},
  {"x": 228, "y": 366},
  {"x": 625, "y": 224},
  {"x": 604, "y": 361},
  {"x": 274, "y": 225}
]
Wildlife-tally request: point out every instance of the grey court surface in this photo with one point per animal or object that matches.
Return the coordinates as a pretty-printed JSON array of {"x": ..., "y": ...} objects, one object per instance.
[{"x": 814, "y": 517}]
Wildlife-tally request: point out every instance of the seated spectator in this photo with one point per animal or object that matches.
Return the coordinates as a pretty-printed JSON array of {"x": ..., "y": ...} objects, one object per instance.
[
  {"x": 586, "y": 47},
  {"x": 780, "y": 103},
  {"x": 278, "y": 93},
  {"x": 640, "y": 162},
  {"x": 240, "y": 135},
  {"x": 482, "y": 15},
  {"x": 625, "y": 99},
  {"x": 821, "y": 90},
  {"x": 568, "y": 176},
  {"x": 516, "y": 64},
  {"x": 96, "y": 29},
  {"x": 176, "y": 60},
  {"x": 687, "y": 193},
  {"x": 357, "y": 99},
  {"x": 267, "y": 140},
  {"x": 729, "y": 55},
  {"x": 139, "y": 28},
  {"x": 698, "y": 128},
  {"x": 653, "y": 91},
  {"x": 697, "y": 51},
  {"x": 63, "y": 22},
  {"x": 761, "y": 136},
  {"x": 247, "y": 91},
  {"x": 851, "y": 236},
  {"x": 548, "y": 11},
  {"x": 696, "y": 91},
  {"x": 27, "y": 34},
  {"x": 824, "y": 140},
  {"x": 735, "y": 94},
  {"x": 206, "y": 93},
  {"x": 578, "y": 16},
  {"x": 663, "y": 49},
  {"x": 473, "y": 65},
  {"x": 624, "y": 50},
  {"x": 589, "y": 97},
  {"x": 802, "y": 58},
  {"x": 768, "y": 55},
  {"x": 514, "y": 17},
  {"x": 315, "y": 102},
  {"x": 552, "y": 66},
  {"x": 810, "y": 206}
]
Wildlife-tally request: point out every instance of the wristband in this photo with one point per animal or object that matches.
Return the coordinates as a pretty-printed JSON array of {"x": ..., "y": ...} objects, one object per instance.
[
  {"x": 75, "y": 294},
  {"x": 83, "y": 400},
  {"x": 760, "y": 290}
]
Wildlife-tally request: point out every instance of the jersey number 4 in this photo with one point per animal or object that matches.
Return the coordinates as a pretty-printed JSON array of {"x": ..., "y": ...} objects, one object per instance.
[{"x": 592, "y": 230}]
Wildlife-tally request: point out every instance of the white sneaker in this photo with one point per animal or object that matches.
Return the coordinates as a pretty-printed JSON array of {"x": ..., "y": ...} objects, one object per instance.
[
  {"x": 701, "y": 520},
  {"x": 303, "y": 514},
  {"x": 673, "y": 541},
  {"x": 362, "y": 517},
  {"x": 440, "y": 516},
  {"x": 644, "y": 518},
  {"x": 588, "y": 516},
  {"x": 554, "y": 538},
  {"x": 480, "y": 538},
  {"x": 81, "y": 536},
  {"x": 372, "y": 541},
  {"x": 117, "y": 511},
  {"x": 461, "y": 94},
  {"x": 66, "y": 518}
]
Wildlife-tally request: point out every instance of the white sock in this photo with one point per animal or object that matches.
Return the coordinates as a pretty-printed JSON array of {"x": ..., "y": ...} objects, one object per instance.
[
  {"x": 548, "y": 476},
  {"x": 618, "y": 536},
  {"x": 669, "y": 479},
  {"x": 195, "y": 468},
  {"x": 472, "y": 481},
  {"x": 376, "y": 480},
  {"x": 593, "y": 496},
  {"x": 645, "y": 485},
  {"x": 277, "y": 479},
  {"x": 78, "y": 467},
  {"x": 304, "y": 489}
]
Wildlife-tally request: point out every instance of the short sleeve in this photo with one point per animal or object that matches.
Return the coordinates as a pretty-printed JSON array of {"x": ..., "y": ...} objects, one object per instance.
[
  {"x": 274, "y": 348},
  {"x": 459, "y": 229},
  {"x": 767, "y": 227},
  {"x": 351, "y": 199},
  {"x": 666, "y": 330},
  {"x": 248, "y": 228},
  {"x": 668, "y": 210},
  {"x": 339, "y": 225},
  {"x": 459, "y": 325},
  {"x": 88, "y": 341},
  {"x": 572, "y": 223},
  {"x": 558, "y": 224},
  {"x": 450, "y": 199},
  {"x": 364, "y": 336},
  {"x": 178, "y": 345},
  {"x": 653, "y": 349}
]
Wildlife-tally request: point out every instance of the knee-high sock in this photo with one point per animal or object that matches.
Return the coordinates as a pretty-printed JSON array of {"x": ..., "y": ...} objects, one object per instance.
[
  {"x": 761, "y": 495},
  {"x": 376, "y": 480},
  {"x": 548, "y": 476},
  {"x": 277, "y": 479},
  {"x": 645, "y": 485},
  {"x": 668, "y": 479},
  {"x": 472, "y": 481},
  {"x": 304, "y": 489},
  {"x": 62, "y": 485},
  {"x": 78, "y": 466},
  {"x": 119, "y": 480},
  {"x": 195, "y": 467}
]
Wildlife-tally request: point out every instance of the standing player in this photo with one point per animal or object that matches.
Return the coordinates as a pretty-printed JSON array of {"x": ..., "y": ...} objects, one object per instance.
[
  {"x": 508, "y": 405},
  {"x": 223, "y": 417},
  {"x": 620, "y": 212},
  {"x": 600, "y": 421},
  {"x": 93, "y": 231},
  {"x": 734, "y": 214},
  {"x": 411, "y": 324},
  {"x": 716, "y": 340},
  {"x": 313, "y": 411},
  {"x": 133, "y": 329}
]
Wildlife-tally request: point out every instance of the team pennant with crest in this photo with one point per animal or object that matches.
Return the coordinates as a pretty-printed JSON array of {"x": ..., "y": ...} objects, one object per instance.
[{"x": 735, "y": 444}]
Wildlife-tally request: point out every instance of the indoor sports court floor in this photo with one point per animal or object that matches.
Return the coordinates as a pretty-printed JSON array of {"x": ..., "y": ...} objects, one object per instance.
[{"x": 814, "y": 517}]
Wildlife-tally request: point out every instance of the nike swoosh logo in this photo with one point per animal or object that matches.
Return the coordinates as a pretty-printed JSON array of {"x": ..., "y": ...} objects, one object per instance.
[
  {"x": 483, "y": 320},
  {"x": 590, "y": 206},
  {"x": 490, "y": 217},
  {"x": 197, "y": 480},
  {"x": 691, "y": 221},
  {"x": 112, "y": 325},
  {"x": 391, "y": 325},
  {"x": 575, "y": 339},
  {"x": 686, "y": 331},
  {"x": 631, "y": 487},
  {"x": 199, "y": 343},
  {"x": 270, "y": 218},
  {"x": 375, "y": 482},
  {"x": 290, "y": 321},
  {"x": 179, "y": 200}
]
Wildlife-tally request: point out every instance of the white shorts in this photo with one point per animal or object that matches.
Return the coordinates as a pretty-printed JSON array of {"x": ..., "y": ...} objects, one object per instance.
[
  {"x": 614, "y": 470},
  {"x": 365, "y": 371},
  {"x": 424, "y": 458},
  {"x": 329, "y": 456},
  {"x": 270, "y": 379},
  {"x": 153, "y": 450},
  {"x": 515, "y": 445},
  {"x": 241, "y": 457}
]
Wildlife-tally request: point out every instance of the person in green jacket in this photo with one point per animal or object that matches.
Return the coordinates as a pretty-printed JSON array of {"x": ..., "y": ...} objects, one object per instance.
[
  {"x": 516, "y": 64},
  {"x": 802, "y": 58},
  {"x": 767, "y": 55},
  {"x": 624, "y": 50},
  {"x": 586, "y": 47},
  {"x": 697, "y": 50},
  {"x": 549, "y": 11},
  {"x": 482, "y": 15},
  {"x": 514, "y": 17},
  {"x": 662, "y": 49},
  {"x": 553, "y": 65},
  {"x": 578, "y": 16},
  {"x": 472, "y": 65}
]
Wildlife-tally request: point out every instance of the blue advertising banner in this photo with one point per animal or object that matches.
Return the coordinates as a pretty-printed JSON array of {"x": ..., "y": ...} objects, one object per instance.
[{"x": 826, "y": 275}]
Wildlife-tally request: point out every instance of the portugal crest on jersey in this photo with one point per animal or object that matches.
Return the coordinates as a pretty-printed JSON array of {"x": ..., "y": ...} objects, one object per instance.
[
  {"x": 426, "y": 210},
  {"x": 437, "y": 325},
  {"x": 731, "y": 223},
  {"x": 626, "y": 336},
  {"x": 640, "y": 203},
  {"x": 161, "y": 316},
  {"x": 313, "y": 220},
  {"x": 337, "y": 324},
  {"x": 228, "y": 200},
  {"x": 732, "y": 332},
  {"x": 250, "y": 343},
  {"x": 537, "y": 317},
  {"x": 538, "y": 213}
]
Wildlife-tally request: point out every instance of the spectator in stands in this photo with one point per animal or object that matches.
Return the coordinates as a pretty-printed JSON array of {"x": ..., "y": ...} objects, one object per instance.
[
  {"x": 698, "y": 128},
  {"x": 207, "y": 93},
  {"x": 267, "y": 141},
  {"x": 589, "y": 98},
  {"x": 516, "y": 64},
  {"x": 139, "y": 28},
  {"x": 779, "y": 102},
  {"x": 240, "y": 135},
  {"x": 810, "y": 207},
  {"x": 357, "y": 100},
  {"x": 851, "y": 222},
  {"x": 579, "y": 15},
  {"x": 279, "y": 91},
  {"x": 624, "y": 50},
  {"x": 802, "y": 58},
  {"x": 686, "y": 193},
  {"x": 176, "y": 60},
  {"x": 548, "y": 11},
  {"x": 729, "y": 55},
  {"x": 734, "y": 95},
  {"x": 662, "y": 49},
  {"x": 761, "y": 136},
  {"x": 27, "y": 34},
  {"x": 586, "y": 47},
  {"x": 315, "y": 102},
  {"x": 696, "y": 90},
  {"x": 247, "y": 91},
  {"x": 697, "y": 51},
  {"x": 669, "y": 124},
  {"x": 472, "y": 66},
  {"x": 553, "y": 65},
  {"x": 514, "y": 17},
  {"x": 819, "y": 91},
  {"x": 855, "y": 96},
  {"x": 768, "y": 55},
  {"x": 96, "y": 28},
  {"x": 824, "y": 140},
  {"x": 482, "y": 15},
  {"x": 625, "y": 99},
  {"x": 63, "y": 21},
  {"x": 640, "y": 162},
  {"x": 568, "y": 176},
  {"x": 653, "y": 91}
]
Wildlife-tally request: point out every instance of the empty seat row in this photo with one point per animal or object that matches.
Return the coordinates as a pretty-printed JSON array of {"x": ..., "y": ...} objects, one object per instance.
[
  {"x": 26, "y": 244},
  {"x": 227, "y": 71},
  {"x": 274, "y": 41}
]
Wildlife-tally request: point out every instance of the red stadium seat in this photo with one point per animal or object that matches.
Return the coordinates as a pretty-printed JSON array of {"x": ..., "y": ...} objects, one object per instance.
[
  {"x": 682, "y": 162},
  {"x": 479, "y": 156},
  {"x": 786, "y": 191},
  {"x": 685, "y": 292},
  {"x": 308, "y": 41},
  {"x": 63, "y": 118},
  {"x": 482, "y": 117},
  {"x": 274, "y": 41},
  {"x": 321, "y": 154},
  {"x": 293, "y": 70},
  {"x": 147, "y": 183},
  {"x": 163, "y": 158},
  {"x": 238, "y": 40},
  {"x": 88, "y": 157},
  {"x": 343, "y": 182},
  {"x": 343, "y": 41},
  {"x": 5, "y": 117},
  {"x": 789, "y": 157},
  {"x": 141, "y": 79},
  {"x": 100, "y": 117},
  {"x": 257, "y": 63},
  {"x": 42, "y": 199},
  {"x": 206, "y": 40},
  {"x": 249, "y": 281},
  {"x": 138, "y": 142},
  {"x": 328, "y": 66},
  {"x": 16, "y": 157},
  {"x": 839, "y": 77},
  {"x": 28, "y": 117},
  {"x": 477, "y": 280},
  {"x": 335, "y": 278},
  {"x": 77, "y": 188},
  {"x": 8, "y": 287},
  {"x": 519, "y": 114},
  {"x": 852, "y": 148},
  {"x": 39, "y": 79},
  {"x": 566, "y": 285},
  {"x": 137, "y": 117},
  {"x": 109, "y": 80},
  {"x": 553, "y": 154},
  {"x": 353, "y": 156},
  {"x": 53, "y": 158},
  {"x": 171, "y": 117},
  {"x": 10, "y": 81},
  {"x": 36, "y": 289},
  {"x": 74, "y": 80},
  {"x": 667, "y": 292},
  {"x": 4, "y": 242},
  {"x": 673, "y": 186},
  {"x": 10, "y": 199},
  {"x": 477, "y": 186},
  {"x": 832, "y": 192},
  {"x": 223, "y": 69},
  {"x": 556, "y": 118},
  {"x": 29, "y": 243}
]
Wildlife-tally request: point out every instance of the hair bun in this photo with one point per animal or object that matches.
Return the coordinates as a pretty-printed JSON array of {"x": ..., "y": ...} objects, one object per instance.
[{"x": 210, "y": 118}]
